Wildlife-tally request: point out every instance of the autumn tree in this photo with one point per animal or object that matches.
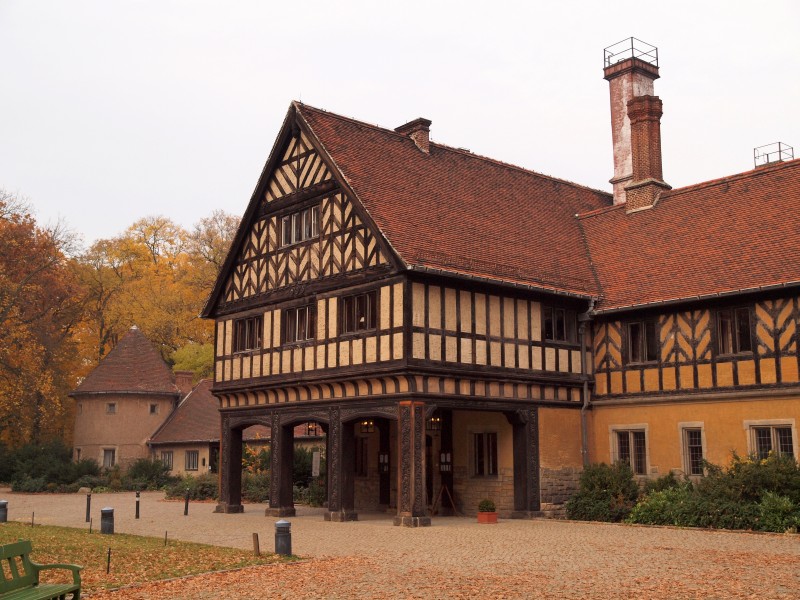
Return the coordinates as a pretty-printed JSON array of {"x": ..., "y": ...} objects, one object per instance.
[
  {"x": 156, "y": 276},
  {"x": 39, "y": 311}
]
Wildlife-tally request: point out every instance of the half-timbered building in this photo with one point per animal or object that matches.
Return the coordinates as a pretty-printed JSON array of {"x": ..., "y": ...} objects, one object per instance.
[{"x": 463, "y": 328}]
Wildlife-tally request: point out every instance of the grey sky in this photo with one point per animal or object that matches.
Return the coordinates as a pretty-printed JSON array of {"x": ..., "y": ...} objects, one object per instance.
[{"x": 115, "y": 110}]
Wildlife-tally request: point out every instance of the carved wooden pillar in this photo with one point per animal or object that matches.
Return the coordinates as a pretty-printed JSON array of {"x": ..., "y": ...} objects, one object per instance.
[
  {"x": 525, "y": 424},
  {"x": 412, "y": 510},
  {"x": 384, "y": 463},
  {"x": 340, "y": 449},
  {"x": 281, "y": 502},
  {"x": 230, "y": 471},
  {"x": 446, "y": 463}
]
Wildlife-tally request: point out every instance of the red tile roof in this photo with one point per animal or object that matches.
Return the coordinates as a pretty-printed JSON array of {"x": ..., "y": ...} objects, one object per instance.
[
  {"x": 454, "y": 211},
  {"x": 196, "y": 419},
  {"x": 737, "y": 233},
  {"x": 133, "y": 366}
]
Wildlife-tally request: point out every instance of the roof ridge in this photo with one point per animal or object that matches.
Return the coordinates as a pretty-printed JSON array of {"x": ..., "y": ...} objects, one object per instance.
[
  {"x": 457, "y": 150},
  {"x": 758, "y": 171}
]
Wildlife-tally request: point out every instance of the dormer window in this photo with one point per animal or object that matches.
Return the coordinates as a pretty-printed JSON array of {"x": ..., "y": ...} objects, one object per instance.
[{"x": 300, "y": 226}]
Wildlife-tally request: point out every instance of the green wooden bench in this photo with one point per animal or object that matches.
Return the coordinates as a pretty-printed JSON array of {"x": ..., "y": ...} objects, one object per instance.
[{"x": 20, "y": 576}]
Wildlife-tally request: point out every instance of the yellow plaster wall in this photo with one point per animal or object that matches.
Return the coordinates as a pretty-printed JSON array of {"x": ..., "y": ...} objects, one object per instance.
[
  {"x": 559, "y": 438},
  {"x": 723, "y": 426}
]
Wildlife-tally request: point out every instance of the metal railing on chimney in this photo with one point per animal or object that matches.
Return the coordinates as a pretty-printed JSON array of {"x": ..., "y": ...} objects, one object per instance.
[
  {"x": 772, "y": 153},
  {"x": 630, "y": 48}
]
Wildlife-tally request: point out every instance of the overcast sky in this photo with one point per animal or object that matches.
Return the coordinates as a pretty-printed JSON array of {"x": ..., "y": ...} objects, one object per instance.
[{"x": 115, "y": 110}]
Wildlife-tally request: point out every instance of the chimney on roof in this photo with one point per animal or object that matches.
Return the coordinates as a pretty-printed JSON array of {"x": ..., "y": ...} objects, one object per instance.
[
  {"x": 418, "y": 130},
  {"x": 647, "y": 183},
  {"x": 183, "y": 381},
  {"x": 631, "y": 67}
]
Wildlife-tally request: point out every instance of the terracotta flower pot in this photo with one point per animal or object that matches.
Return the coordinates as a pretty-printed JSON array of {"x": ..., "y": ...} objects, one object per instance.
[{"x": 487, "y": 517}]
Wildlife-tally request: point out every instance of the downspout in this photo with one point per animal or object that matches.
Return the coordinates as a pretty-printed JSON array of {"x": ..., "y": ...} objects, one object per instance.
[{"x": 583, "y": 320}]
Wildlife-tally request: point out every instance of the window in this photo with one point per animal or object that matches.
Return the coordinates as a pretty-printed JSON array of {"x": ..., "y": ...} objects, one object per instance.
[
  {"x": 192, "y": 457},
  {"x": 111, "y": 408},
  {"x": 359, "y": 313},
  {"x": 560, "y": 324},
  {"x": 299, "y": 324},
  {"x": 77, "y": 453},
  {"x": 109, "y": 458},
  {"x": 693, "y": 451},
  {"x": 362, "y": 456},
  {"x": 166, "y": 458},
  {"x": 733, "y": 331},
  {"x": 631, "y": 449},
  {"x": 247, "y": 334},
  {"x": 484, "y": 454},
  {"x": 300, "y": 226},
  {"x": 642, "y": 341},
  {"x": 154, "y": 409},
  {"x": 312, "y": 430},
  {"x": 777, "y": 439}
]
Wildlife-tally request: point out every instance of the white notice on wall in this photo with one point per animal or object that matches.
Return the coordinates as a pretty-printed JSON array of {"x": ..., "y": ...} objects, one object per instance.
[{"x": 315, "y": 464}]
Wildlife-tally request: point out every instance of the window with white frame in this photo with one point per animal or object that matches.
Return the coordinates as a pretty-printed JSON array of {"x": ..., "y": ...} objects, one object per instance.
[
  {"x": 192, "y": 460},
  {"x": 109, "y": 457},
  {"x": 166, "y": 459},
  {"x": 300, "y": 226},
  {"x": 693, "y": 458},
  {"x": 484, "y": 454},
  {"x": 631, "y": 448},
  {"x": 772, "y": 438}
]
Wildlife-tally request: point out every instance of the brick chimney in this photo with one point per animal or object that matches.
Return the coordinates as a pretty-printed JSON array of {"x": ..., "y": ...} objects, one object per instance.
[
  {"x": 183, "y": 381},
  {"x": 647, "y": 183},
  {"x": 631, "y": 67},
  {"x": 418, "y": 130}
]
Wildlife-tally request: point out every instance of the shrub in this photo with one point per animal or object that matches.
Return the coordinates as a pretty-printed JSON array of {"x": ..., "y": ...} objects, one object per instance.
[
  {"x": 29, "y": 485},
  {"x": 147, "y": 473},
  {"x": 313, "y": 495},
  {"x": 670, "y": 506},
  {"x": 665, "y": 482},
  {"x": 486, "y": 505},
  {"x": 605, "y": 493},
  {"x": 255, "y": 487},
  {"x": 202, "y": 487},
  {"x": 778, "y": 513}
]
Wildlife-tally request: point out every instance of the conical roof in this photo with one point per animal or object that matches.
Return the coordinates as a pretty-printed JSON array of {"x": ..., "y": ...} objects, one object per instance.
[{"x": 133, "y": 366}]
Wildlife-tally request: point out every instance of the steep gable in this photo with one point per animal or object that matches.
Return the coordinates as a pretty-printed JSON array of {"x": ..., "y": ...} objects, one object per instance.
[
  {"x": 298, "y": 184},
  {"x": 450, "y": 210},
  {"x": 133, "y": 366}
]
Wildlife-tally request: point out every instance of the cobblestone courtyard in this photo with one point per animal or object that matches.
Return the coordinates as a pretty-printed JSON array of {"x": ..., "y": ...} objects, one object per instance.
[{"x": 455, "y": 558}]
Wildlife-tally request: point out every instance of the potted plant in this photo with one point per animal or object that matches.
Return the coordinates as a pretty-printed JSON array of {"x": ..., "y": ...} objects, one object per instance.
[{"x": 487, "y": 512}]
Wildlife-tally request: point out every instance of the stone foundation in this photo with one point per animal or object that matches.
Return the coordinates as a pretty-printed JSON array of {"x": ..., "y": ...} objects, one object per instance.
[{"x": 557, "y": 486}]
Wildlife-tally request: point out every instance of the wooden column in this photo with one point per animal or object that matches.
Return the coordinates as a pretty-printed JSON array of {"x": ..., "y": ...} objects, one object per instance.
[
  {"x": 525, "y": 424},
  {"x": 230, "y": 472},
  {"x": 384, "y": 463},
  {"x": 412, "y": 510},
  {"x": 445, "y": 465},
  {"x": 340, "y": 452},
  {"x": 281, "y": 501}
]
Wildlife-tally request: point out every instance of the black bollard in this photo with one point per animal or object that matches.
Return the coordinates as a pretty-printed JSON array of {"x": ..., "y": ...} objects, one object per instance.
[
  {"x": 137, "y": 505},
  {"x": 107, "y": 520},
  {"x": 88, "y": 506},
  {"x": 186, "y": 504},
  {"x": 3, "y": 511},
  {"x": 283, "y": 537}
]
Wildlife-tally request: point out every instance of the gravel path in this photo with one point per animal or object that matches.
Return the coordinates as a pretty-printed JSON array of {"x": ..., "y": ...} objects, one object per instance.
[{"x": 455, "y": 558}]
